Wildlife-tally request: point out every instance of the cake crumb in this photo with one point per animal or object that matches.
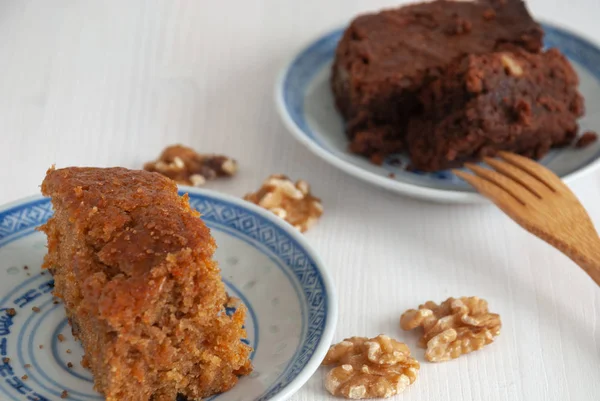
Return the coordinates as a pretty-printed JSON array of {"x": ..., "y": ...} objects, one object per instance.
[
  {"x": 11, "y": 312},
  {"x": 35, "y": 309},
  {"x": 64, "y": 394},
  {"x": 26, "y": 267},
  {"x": 27, "y": 366},
  {"x": 586, "y": 139},
  {"x": 6, "y": 360},
  {"x": 377, "y": 159},
  {"x": 69, "y": 365},
  {"x": 41, "y": 346},
  {"x": 61, "y": 338},
  {"x": 392, "y": 175},
  {"x": 24, "y": 377},
  {"x": 68, "y": 351}
]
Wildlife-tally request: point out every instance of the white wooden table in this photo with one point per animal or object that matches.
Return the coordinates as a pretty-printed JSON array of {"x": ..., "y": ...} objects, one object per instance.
[{"x": 111, "y": 83}]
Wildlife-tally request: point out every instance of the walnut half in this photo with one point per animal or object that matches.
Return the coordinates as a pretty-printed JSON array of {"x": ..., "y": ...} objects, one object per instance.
[
  {"x": 379, "y": 367},
  {"x": 292, "y": 202},
  {"x": 184, "y": 166},
  {"x": 456, "y": 327}
]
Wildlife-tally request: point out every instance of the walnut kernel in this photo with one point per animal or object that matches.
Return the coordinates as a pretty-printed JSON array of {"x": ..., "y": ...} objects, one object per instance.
[
  {"x": 379, "y": 367},
  {"x": 185, "y": 166},
  {"x": 292, "y": 202},
  {"x": 453, "y": 328},
  {"x": 511, "y": 65}
]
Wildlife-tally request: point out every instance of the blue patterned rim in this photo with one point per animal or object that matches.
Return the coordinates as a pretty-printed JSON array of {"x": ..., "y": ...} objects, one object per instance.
[
  {"x": 279, "y": 241},
  {"x": 296, "y": 78}
]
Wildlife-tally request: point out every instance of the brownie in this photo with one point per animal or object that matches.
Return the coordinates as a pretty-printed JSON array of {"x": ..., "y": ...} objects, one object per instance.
[
  {"x": 515, "y": 101},
  {"x": 134, "y": 265},
  {"x": 384, "y": 59}
]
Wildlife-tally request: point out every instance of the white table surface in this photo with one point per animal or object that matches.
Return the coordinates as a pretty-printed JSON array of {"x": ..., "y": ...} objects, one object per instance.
[{"x": 113, "y": 82}]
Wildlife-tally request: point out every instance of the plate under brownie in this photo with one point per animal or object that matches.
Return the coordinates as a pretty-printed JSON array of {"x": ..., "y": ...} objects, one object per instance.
[
  {"x": 305, "y": 103},
  {"x": 264, "y": 261}
]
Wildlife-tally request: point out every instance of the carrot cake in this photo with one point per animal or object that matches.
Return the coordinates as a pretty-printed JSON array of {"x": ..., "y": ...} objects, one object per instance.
[{"x": 134, "y": 265}]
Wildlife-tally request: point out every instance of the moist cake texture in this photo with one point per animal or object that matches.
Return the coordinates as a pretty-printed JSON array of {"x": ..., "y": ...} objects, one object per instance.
[
  {"x": 516, "y": 101},
  {"x": 383, "y": 60},
  {"x": 134, "y": 265}
]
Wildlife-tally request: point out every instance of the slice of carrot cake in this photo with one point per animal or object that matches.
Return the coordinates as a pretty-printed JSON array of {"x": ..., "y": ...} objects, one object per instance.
[{"x": 134, "y": 266}]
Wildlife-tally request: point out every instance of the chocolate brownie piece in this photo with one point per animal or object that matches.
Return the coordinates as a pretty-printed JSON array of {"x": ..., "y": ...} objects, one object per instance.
[
  {"x": 384, "y": 59},
  {"x": 516, "y": 101}
]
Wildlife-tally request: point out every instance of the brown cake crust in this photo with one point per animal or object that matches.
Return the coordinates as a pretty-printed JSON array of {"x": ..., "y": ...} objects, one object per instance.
[
  {"x": 384, "y": 59},
  {"x": 515, "y": 101},
  {"x": 133, "y": 264}
]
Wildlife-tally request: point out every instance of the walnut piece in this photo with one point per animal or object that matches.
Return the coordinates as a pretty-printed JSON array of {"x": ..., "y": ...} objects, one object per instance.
[
  {"x": 511, "y": 65},
  {"x": 292, "y": 202},
  {"x": 185, "y": 166},
  {"x": 456, "y": 327},
  {"x": 379, "y": 367}
]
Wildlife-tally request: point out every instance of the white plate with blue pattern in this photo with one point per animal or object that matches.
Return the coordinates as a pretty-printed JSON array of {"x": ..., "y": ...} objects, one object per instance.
[
  {"x": 265, "y": 262},
  {"x": 305, "y": 103}
]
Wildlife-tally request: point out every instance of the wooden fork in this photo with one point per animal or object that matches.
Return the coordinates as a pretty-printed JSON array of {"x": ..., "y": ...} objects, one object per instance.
[{"x": 540, "y": 202}]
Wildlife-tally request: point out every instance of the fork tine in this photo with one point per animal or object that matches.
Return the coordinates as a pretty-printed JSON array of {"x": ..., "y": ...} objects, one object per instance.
[
  {"x": 521, "y": 176},
  {"x": 499, "y": 196},
  {"x": 515, "y": 189},
  {"x": 535, "y": 169}
]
